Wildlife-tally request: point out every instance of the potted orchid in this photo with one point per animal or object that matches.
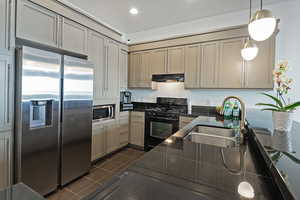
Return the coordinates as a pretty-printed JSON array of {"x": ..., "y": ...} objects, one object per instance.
[{"x": 282, "y": 108}]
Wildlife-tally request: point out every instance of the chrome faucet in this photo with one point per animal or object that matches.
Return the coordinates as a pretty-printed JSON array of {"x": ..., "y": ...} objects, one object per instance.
[{"x": 243, "y": 111}]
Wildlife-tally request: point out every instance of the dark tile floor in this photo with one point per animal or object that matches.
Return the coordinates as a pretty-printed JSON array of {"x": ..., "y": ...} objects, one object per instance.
[{"x": 100, "y": 172}]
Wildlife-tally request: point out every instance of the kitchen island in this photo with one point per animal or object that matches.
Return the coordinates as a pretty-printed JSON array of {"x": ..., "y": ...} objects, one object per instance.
[{"x": 181, "y": 169}]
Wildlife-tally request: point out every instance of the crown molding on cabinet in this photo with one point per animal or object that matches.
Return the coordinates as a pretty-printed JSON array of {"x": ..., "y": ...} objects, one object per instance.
[
  {"x": 189, "y": 39},
  {"x": 77, "y": 15}
]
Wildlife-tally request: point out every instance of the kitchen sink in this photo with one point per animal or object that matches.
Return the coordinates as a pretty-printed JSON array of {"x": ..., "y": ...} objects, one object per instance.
[{"x": 220, "y": 137}]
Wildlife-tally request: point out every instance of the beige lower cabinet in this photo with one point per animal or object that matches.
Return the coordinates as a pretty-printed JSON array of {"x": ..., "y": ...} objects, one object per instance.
[
  {"x": 230, "y": 70},
  {"x": 112, "y": 136},
  {"x": 5, "y": 159},
  {"x": 123, "y": 129},
  {"x": 137, "y": 128},
  {"x": 258, "y": 72},
  {"x": 98, "y": 141},
  {"x": 183, "y": 121}
]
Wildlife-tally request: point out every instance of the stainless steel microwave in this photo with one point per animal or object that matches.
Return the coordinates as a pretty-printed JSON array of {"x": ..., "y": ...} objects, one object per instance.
[{"x": 103, "y": 112}]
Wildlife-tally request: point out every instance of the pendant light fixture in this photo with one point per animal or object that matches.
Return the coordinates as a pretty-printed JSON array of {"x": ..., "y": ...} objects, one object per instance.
[
  {"x": 262, "y": 25},
  {"x": 250, "y": 50}
]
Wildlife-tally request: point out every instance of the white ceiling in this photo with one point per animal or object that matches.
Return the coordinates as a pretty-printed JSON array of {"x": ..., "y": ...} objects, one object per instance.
[{"x": 157, "y": 13}]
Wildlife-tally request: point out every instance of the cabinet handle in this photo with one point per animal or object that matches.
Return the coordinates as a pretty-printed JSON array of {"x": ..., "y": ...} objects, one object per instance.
[
  {"x": 106, "y": 68},
  {"x": 8, "y": 95},
  {"x": 8, "y": 162}
]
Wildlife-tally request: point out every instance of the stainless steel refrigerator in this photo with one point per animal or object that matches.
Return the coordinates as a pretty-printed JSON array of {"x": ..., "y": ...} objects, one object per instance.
[{"x": 53, "y": 118}]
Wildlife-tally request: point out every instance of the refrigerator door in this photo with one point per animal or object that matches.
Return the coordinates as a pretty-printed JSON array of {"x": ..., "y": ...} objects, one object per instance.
[
  {"x": 37, "y": 119},
  {"x": 76, "y": 118}
]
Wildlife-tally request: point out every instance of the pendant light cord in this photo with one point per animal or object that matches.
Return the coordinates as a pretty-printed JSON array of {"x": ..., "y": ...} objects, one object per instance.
[
  {"x": 261, "y": 4},
  {"x": 250, "y": 10}
]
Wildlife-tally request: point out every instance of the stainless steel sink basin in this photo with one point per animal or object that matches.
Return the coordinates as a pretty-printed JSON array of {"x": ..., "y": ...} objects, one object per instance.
[{"x": 220, "y": 137}]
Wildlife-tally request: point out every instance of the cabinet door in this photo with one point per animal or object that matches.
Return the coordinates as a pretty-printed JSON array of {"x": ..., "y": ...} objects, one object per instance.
[
  {"x": 5, "y": 160},
  {"x": 111, "y": 87},
  {"x": 96, "y": 54},
  {"x": 231, "y": 64},
  {"x": 74, "y": 36},
  {"x": 258, "y": 72},
  {"x": 192, "y": 66},
  {"x": 134, "y": 70},
  {"x": 98, "y": 141},
  {"x": 146, "y": 77},
  {"x": 37, "y": 24},
  {"x": 137, "y": 128},
  {"x": 176, "y": 60},
  {"x": 4, "y": 24},
  {"x": 209, "y": 65},
  {"x": 158, "y": 62},
  {"x": 112, "y": 136},
  {"x": 6, "y": 92},
  {"x": 124, "y": 129},
  {"x": 123, "y": 70}
]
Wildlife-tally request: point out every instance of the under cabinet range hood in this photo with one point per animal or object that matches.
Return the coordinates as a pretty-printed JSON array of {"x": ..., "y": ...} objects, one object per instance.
[{"x": 168, "y": 77}]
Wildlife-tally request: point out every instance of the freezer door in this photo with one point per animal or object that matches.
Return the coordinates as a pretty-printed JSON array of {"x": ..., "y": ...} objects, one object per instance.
[
  {"x": 37, "y": 119},
  {"x": 76, "y": 118}
]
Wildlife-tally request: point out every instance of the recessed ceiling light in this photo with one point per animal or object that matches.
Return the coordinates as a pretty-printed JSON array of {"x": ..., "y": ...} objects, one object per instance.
[{"x": 134, "y": 11}]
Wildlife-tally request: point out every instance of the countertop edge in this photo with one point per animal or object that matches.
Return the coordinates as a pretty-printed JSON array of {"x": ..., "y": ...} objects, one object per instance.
[{"x": 274, "y": 171}]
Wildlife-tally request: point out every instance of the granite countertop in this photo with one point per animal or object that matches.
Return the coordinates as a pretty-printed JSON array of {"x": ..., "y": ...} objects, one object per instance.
[
  {"x": 181, "y": 169},
  {"x": 19, "y": 192},
  {"x": 281, "y": 151}
]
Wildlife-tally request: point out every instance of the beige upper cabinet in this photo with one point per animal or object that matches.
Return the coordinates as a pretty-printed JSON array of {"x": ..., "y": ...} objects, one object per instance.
[
  {"x": 96, "y": 54},
  {"x": 192, "y": 66},
  {"x": 134, "y": 70},
  {"x": 258, "y": 72},
  {"x": 158, "y": 61},
  {"x": 146, "y": 76},
  {"x": 176, "y": 60},
  {"x": 37, "y": 24},
  {"x": 140, "y": 70},
  {"x": 4, "y": 24},
  {"x": 6, "y": 92},
  {"x": 230, "y": 68},
  {"x": 74, "y": 36},
  {"x": 123, "y": 69},
  {"x": 209, "y": 65},
  {"x": 111, "y": 76}
]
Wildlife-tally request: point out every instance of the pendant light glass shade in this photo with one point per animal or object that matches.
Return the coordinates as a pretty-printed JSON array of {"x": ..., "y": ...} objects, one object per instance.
[
  {"x": 250, "y": 50},
  {"x": 262, "y": 25}
]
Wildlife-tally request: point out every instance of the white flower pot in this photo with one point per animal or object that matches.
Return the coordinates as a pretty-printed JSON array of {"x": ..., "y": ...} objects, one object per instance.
[{"x": 282, "y": 121}]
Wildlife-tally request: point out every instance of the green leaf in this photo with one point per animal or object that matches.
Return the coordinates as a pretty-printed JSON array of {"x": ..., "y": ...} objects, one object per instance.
[
  {"x": 292, "y": 106},
  {"x": 274, "y": 99},
  {"x": 293, "y": 158},
  {"x": 270, "y": 109},
  {"x": 266, "y": 104}
]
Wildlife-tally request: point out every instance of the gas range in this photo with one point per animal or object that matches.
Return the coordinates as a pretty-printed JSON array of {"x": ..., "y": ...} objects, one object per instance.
[{"x": 162, "y": 121}]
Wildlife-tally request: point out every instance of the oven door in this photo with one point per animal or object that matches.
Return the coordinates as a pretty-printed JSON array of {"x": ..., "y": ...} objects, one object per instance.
[{"x": 159, "y": 129}]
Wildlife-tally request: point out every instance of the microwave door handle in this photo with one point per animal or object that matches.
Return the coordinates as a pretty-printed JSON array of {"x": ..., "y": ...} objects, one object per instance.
[{"x": 109, "y": 112}]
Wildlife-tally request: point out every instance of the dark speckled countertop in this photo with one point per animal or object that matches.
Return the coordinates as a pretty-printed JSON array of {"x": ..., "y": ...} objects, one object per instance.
[
  {"x": 180, "y": 169},
  {"x": 281, "y": 151}
]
